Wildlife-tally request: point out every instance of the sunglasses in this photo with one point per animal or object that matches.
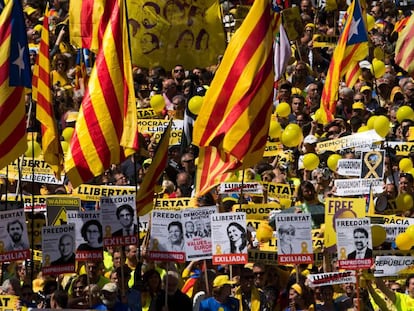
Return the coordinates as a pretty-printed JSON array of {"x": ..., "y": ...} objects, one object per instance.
[{"x": 178, "y": 70}]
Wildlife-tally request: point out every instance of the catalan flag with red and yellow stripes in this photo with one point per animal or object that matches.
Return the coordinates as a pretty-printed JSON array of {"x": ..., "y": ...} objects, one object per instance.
[
  {"x": 15, "y": 75},
  {"x": 236, "y": 110},
  {"x": 404, "y": 55},
  {"x": 107, "y": 119},
  {"x": 145, "y": 195},
  {"x": 52, "y": 150},
  {"x": 87, "y": 22},
  {"x": 213, "y": 168},
  {"x": 352, "y": 47}
]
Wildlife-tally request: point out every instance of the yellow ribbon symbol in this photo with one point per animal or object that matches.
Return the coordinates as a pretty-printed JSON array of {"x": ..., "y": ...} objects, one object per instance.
[
  {"x": 108, "y": 231},
  {"x": 372, "y": 160},
  {"x": 304, "y": 247},
  {"x": 342, "y": 253}
]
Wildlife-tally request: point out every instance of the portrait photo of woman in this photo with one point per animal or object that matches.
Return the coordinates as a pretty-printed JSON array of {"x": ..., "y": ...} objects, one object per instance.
[
  {"x": 237, "y": 237},
  {"x": 284, "y": 240},
  {"x": 91, "y": 232}
]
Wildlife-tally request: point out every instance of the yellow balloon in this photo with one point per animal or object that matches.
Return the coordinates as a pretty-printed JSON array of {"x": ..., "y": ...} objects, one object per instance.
[
  {"x": 379, "y": 53},
  {"x": 405, "y": 164},
  {"x": 378, "y": 235},
  {"x": 370, "y": 22},
  {"x": 333, "y": 161},
  {"x": 67, "y": 133},
  {"x": 405, "y": 112},
  {"x": 404, "y": 201},
  {"x": 363, "y": 128},
  {"x": 33, "y": 149},
  {"x": 371, "y": 122},
  {"x": 292, "y": 135},
  {"x": 194, "y": 104},
  {"x": 157, "y": 103},
  {"x": 283, "y": 110},
  {"x": 65, "y": 146},
  {"x": 410, "y": 231},
  {"x": 310, "y": 161},
  {"x": 382, "y": 126},
  {"x": 293, "y": 127},
  {"x": 403, "y": 242},
  {"x": 378, "y": 68},
  {"x": 275, "y": 129},
  {"x": 264, "y": 233},
  {"x": 320, "y": 116}
]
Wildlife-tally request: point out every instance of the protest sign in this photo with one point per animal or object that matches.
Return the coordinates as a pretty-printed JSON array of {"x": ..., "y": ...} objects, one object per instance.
[
  {"x": 155, "y": 127},
  {"x": 89, "y": 234},
  {"x": 355, "y": 186},
  {"x": 257, "y": 211},
  {"x": 167, "y": 236},
  {"x": 14, "y": 242},
  {"x": 119, "y": 220},
  {"x": 175, "y": 204},
  {"x": 401, "y": 148},
  {"x": 340, "y": 208},
  {"x": 349, "y": 167},
  {"x": 9, "y": 302},
  {"x": 58, "y": 249},
  {"x": 393, "y": 265},
  {"x": 373, "y": 164},
  {"x": 57, "y": 206},
  {"x": 254, "y": 188},
  {"x": 331, "y": 278},
  {"x": 94, "y": 192},
  {"x": 278, "y": 190},
  {"x": 359, "y": 140},
  {"x": 354, "y": 243},
  {"x": 197, "y": 232},
  {"x": 294, "y": 238},
  {"x": 229, "y": 238}
]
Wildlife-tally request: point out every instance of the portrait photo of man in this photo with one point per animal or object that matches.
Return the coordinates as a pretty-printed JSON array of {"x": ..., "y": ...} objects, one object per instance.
[
  {"x": 17, "y": 241},
  {"x": 66, "y": 249},
  {"x": 125, "y": 215},
  {"x": 361, "y": 241}
]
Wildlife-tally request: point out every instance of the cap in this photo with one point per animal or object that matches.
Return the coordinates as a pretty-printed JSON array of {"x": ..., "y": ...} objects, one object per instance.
[
  {"x": 383, "y": 81},
  {"x": 310, "y": 139},
  {"x": 221, "y": 280},
  {"x": 147, "y": 162},
  {"x": 296, "y": 90},
  {"x": 38, "y": 28},
  {"x": 29, "y": 10},
  {"x": 365, "y": 64},
  {"x": 358, "y": 105},
  {"x": 297, "y": 288},
  {"x": 110, "y": 287},
  {"x": 72, "y": 116},
  {"x": 365, "y": 88}
]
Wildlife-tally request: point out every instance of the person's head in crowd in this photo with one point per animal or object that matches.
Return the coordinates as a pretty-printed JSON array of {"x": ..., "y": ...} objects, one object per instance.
[
  {"x": 345, "y": 97},
  {"x": 296, "y": 297},
  {"x": 309, "y": 144},
  {"x": 184, "y": 179},
  {"x": 173, "y": 282},
  {"x": 297, "y": 104},
  {"x": 178, "y": 102},
  {"x": 94, "y": 270},
  {"x": 123, "y": 276},
  {"x": 376, "y": 12},
  {"x": 59, "y": 299},
  {"x": 183, "y": 192},
  {"x": 307, "y": 193},
  {"x": 11, "y": 287},
  {"x": 118, "y": 257},
  {"x": 306, "y": 7},
  {"x": 169, "y": 88},
  {"x": 402, "y": 131},
  {"x": 131, "y": 254},
  {"x": 174, "y": 154},
  {"x": 187, "y": 162},
  {"x": 27, "y": 295},
  {"x": 408, "y": 91},
  {"x": 284, "y": 91},
  {"x": 247, "y": 280},
  {"x": 206, "y": 200},
  {"x": 355, "y": 122},
  {"x": 384, "y": 87},
  {"x": 78, "y": 285},
  {"x": 227, "y": 203},
  {"x": 178, "y": 74},
  {"x": 313, "y": 92},
  {"x": 92, "y": 295},
  {"x": 301, "y": 72},
  {"x": 392, "y": 112},
  {"x": 222, "y": 287},
  {"x": 406, "y": 183},
  {"x": 259, "y": 272},
  {"x": 109, "y": 295},
  {"x": 268, "y": 176},
  {"x": 61, "y": 63},
  {"x": 333, "y": 129},
  {"x": 366, "y": 73},
  {"x": 396, "y": 287},
  {"x": 151, "y": 281}
]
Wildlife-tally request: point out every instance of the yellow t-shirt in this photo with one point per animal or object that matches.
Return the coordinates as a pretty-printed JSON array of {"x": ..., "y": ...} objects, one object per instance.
[{"x": 404, "y": 302}]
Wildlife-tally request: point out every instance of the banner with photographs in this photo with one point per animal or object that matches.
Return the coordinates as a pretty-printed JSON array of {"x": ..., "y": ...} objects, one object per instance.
[
  {"x": 294, "y": 238},
  {"x": 58, "y": 249},
  {"x": 119, "y": 220},
  {"x": 354, "y": 243},
  {"x": 167, "y": 236},
  {"x": 89, "y": 234},
  {"x": 14, "y": 241},
  {"x": 229, "y": 238},
  {"x": 197, "y": 232}
]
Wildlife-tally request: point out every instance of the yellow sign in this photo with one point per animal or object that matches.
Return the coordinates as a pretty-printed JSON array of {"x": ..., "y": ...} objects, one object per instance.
[
  {"x": 322, "y": 41},
  {"x": 94, "y": 193},
  {"x": 175, "y": 204},
  {"x": 256, "y": 211},
  {"x": 167, "y": 33},
  {"x": 146, "y": 113},
  {"x": 9, "y": 302},
  {"x": 156, "y": 128},
  {"x": 340, "y": 208},
  {"x": 272, "y": 149},
  {"x": 280, "y": 191}
]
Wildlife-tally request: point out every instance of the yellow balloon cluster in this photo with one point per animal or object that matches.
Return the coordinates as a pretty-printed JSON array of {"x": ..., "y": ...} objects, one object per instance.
[
  {"x": 310, "y": 161},
  {"x": 378, "y": 68},
  {"x": 405, "y": 112},
  {"x": 404, "y": 241},
  {"x": 275, "y": 129},
  {"x": 33, "y": 149}
]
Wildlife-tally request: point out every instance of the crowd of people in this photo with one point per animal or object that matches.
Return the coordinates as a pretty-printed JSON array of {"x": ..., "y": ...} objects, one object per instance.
[{"x": 127, "y": 280}]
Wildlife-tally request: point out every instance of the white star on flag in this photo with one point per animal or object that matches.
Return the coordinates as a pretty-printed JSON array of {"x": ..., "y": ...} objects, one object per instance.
[
  {"x": 354, "y": 28},
  {"x": 19, "y": 60}
]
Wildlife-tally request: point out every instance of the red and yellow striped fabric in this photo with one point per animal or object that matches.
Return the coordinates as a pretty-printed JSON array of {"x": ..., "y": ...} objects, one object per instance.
[
  {"x": 52, "y": 151},
  {"x": 404, "y": 55},
  {"x": 236, "y": 110},
  {"x": 87, "y": 22},
  {"x": 14, "y": 76},
  {"x": 213, "y": 168},
  {"x": 107, "y": 119},
  {"x": 145, "y": 195},
  {"x": 352, "y": 47}
]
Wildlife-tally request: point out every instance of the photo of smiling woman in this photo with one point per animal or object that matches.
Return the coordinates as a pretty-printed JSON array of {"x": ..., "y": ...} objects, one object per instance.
[{"x": 237, "y": 237}]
